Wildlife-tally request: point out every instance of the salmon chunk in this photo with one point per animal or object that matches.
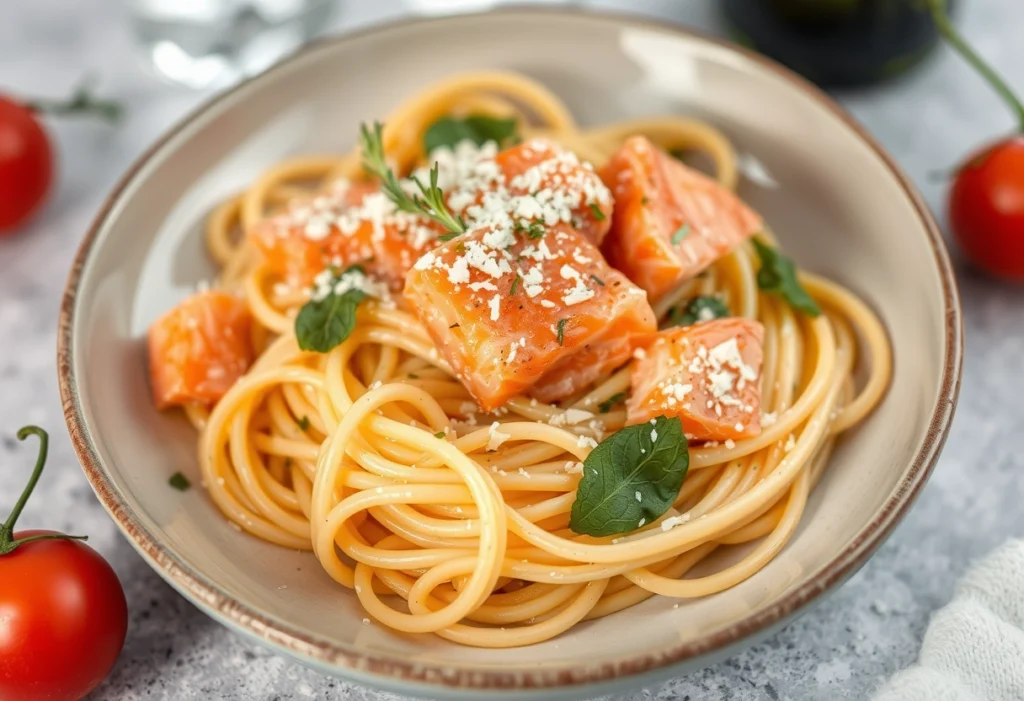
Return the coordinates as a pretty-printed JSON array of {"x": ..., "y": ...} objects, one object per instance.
[
  {"x": 707, "y": 374},
  {"x": 553, "y": 174},
  {"x": 352, "y": 223},
  {"x": 199, "y": 349},
  {"x": 670, "y": 221},
  {"x": 505, "y": 305}
]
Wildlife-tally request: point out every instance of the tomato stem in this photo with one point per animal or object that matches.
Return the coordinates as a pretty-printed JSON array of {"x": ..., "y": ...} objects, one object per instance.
[
  {"x": 82, "y": 101},
  {"x": 946, "y": 28},
  {"x": 7, "y": 542}
]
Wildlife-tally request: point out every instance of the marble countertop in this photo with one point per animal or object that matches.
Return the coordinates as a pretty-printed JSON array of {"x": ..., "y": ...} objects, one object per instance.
[{"x": 843, "y": 648}]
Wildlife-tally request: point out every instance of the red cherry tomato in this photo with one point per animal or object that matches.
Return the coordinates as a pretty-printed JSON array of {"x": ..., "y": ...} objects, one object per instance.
[
  {"x": 63, "y": 620},
  {"x": 26, "y": 165},
  {"x": 986, "y": 209},
  {"x": 63, "y": 616}
]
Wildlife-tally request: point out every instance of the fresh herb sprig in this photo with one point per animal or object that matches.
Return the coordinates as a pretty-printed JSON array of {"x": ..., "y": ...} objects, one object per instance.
[{"x": 430, "y": 202}]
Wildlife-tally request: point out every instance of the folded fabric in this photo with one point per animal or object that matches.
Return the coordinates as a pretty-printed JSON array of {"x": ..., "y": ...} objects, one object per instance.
[{"x": 973, "y": 649}]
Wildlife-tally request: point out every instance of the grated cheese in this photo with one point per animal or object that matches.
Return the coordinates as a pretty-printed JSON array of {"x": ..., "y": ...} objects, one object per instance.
[{"x": 496, "y": 437}]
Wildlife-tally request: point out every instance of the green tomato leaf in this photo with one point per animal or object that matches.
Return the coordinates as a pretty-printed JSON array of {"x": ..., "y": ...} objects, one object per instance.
[
  {"x": 478, "y": 128},
  {"x": 697, "y": 309},
  {"x": 631, "y": 478},
  {"x": 778, "y": 275},
  {"x": 325, "y": 322}
]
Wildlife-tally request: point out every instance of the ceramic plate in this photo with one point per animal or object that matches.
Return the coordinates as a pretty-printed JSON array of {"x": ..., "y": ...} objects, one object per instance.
[{"x": 836, "y": 201}]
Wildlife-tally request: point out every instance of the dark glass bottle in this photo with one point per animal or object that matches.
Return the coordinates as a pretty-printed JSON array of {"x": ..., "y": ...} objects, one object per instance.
[{"x": 836, "y": 43}]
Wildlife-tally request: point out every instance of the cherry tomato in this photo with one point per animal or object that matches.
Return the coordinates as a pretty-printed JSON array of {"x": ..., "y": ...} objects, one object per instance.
[
  {"x": 26, "y": 165},
  {"x": 63, "y": 615},
  {"x": 64, "y": 620},
  {"x": 986, "y": 209}
]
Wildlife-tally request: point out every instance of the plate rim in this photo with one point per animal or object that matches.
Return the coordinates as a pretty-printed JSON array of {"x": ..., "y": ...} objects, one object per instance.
[{"x": 385, "y": 671}]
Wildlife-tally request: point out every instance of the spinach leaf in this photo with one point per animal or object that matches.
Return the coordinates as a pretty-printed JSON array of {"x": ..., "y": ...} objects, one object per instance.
[{"x": 631, "y": 478}]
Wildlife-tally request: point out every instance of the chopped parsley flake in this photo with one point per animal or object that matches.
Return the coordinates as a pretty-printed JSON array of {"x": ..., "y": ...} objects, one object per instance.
[
  {"x": 561, "y": 330},
  {"x": 515, "y": 284},
  {"x": 439, "y": 434},
  {"x": 607, "y": 404},
  {"x": 680, "y": 234},
  {"x": 596, "y": 279},
  {"x": 598, "y": 214},
  {"x": 534, "y": 230},
  {"x": 179, "y": 482},
  {"x": 304, "y": 423}
]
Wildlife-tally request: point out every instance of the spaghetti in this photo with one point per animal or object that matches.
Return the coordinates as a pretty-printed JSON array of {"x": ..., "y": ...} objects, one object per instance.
[{"x": 367, "y": 456}]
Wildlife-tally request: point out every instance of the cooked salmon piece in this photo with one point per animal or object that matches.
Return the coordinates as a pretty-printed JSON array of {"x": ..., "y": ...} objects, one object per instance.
[
  {"x": 552, "y": 174},
  {"x": 199, "y": 349},
  {"x": 353, "y": 223},
  {"x": 506, "y": 305},
  {"x": 707, "y": 374},
  {"x": 670, "y": 221},
  {"x": 611, "y": 347}
]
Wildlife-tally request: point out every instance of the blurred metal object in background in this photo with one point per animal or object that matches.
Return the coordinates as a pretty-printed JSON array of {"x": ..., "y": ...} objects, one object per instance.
[{"x": 213, "y": 43}]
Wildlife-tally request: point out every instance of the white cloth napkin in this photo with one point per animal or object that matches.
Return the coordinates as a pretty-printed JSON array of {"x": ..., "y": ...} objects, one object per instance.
[{"x": 973, "y": 649}]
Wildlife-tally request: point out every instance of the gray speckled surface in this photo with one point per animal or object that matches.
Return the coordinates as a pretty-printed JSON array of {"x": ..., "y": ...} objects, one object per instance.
[{"x": 843, "y": 648}]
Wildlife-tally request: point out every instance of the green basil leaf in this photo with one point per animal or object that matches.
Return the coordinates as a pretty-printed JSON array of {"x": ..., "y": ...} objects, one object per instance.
[
  {"x": 778, "y": 275},
  {"x": 323, "y": 324},
  {"x": 631, "y": 478},
  {"x": 697, "y": 309},
  {"x": 478, "y": 128}
]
